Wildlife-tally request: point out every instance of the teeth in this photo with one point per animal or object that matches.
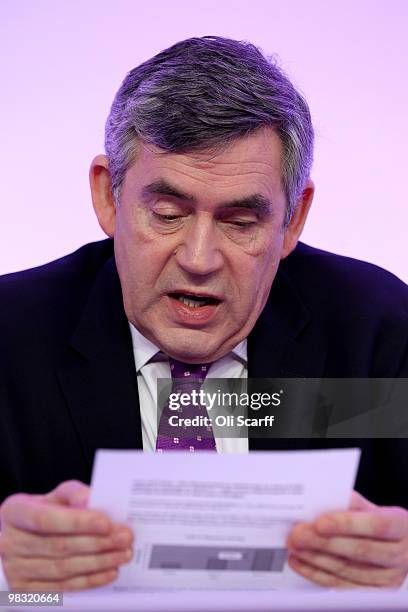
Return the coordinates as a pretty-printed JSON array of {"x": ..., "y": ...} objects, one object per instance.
[{"x": 192, "y": 303}]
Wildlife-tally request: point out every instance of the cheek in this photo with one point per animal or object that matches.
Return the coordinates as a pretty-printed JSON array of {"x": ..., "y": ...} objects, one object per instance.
[
  {"x": 143, "y": 268},
  {"x": 134, "y": 268},
  {"x": 258, "y": 278},
  {"x": 270, "y": 260},
  {"x": 133, "y": 245}
]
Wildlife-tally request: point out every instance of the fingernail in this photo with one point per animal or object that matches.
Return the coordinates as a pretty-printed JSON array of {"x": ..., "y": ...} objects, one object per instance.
[
  {"x": 111, "y": 574},
  {"x": 101, "y": 525},
  {"x": 122, "y": 538},
  {"x": 126, "y": 555},
  {"x": 326, "y": 525},
  {"x": 295, "y": 560}
]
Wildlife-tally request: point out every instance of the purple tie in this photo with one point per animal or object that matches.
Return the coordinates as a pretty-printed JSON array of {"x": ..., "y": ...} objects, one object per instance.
[{"x": 186, "y": 377}]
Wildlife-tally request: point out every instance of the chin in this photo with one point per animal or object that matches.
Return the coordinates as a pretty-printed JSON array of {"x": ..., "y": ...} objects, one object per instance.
[
  {"x": 189, "y": 350},
  {"x": 190, "y": 354}
]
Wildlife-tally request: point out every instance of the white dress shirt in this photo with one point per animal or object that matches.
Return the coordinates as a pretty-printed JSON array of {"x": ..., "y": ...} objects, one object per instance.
[{"x": 232, "y": 365}]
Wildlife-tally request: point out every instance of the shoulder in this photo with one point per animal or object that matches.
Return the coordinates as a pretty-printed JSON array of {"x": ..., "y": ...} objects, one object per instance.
[
  {"x": 78, "y": 266},
  {"x": 360, "y": 310},
  {"x": 52, "y": 294},
  {"x": 326, "y": 278}
]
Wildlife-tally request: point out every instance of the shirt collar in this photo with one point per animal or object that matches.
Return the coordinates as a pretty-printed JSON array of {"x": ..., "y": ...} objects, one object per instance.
[{"x": 144, "y": 350}]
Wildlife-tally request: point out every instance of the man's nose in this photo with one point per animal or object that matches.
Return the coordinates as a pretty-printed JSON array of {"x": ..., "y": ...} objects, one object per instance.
[{"x": 199, "y": 250}]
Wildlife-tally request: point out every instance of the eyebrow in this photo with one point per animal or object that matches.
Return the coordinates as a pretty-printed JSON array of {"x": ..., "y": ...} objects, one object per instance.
[
  {"x": 257, "y": 202},
  {"x": 162, "y": 187}
]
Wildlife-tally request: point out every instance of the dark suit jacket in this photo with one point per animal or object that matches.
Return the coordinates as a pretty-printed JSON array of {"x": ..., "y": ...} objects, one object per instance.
[{"x": 67, "y": 377}]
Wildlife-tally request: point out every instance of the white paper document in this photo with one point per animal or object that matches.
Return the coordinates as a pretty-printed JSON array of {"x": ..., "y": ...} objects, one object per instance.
[{"x": 217, "y": 521}]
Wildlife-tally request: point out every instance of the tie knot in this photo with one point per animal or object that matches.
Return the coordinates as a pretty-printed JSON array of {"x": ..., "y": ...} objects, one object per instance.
[{"x": 191, "y": 371}]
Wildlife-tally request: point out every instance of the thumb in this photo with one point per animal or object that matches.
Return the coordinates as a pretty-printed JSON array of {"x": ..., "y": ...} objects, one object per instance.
[
  {"x": 358, "y": 502},
  {"x": 72, "y": 493}
]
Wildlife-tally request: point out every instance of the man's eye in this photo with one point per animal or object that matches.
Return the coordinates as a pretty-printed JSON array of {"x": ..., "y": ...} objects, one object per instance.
[
  {"x": 242, "y": 224},
  {"x": 165, "y": 218}
]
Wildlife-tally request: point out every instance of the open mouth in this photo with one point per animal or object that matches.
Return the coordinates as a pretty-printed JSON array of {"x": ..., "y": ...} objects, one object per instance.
[{"x": 194, "y": 301}]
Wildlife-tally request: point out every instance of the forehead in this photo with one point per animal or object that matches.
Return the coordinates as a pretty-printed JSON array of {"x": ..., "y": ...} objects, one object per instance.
[{"x": 252, "y": 163}]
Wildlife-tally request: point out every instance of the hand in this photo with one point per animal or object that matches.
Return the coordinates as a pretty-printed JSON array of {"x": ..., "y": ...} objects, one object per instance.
[
  {"x": 366, "y": 545},
  {"x": 51, "y": 542}
]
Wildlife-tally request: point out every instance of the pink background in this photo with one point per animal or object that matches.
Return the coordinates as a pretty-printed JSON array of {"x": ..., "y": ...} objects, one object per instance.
[{"x": 62, "y": 61}]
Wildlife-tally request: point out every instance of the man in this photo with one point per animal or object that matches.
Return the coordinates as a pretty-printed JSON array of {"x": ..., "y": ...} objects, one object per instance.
[{"x": 203, "y": 193}]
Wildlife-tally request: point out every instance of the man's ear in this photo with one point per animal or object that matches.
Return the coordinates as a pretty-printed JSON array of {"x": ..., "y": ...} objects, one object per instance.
[
  {"x": 102, "y": 197},
  {"x": 298, "y": 220}
]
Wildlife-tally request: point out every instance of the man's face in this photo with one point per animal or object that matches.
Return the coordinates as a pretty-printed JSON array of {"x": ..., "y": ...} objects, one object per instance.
[{"x": 198, "y": 239}]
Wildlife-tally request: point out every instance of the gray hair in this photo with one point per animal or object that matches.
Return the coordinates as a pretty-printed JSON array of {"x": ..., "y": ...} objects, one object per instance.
[{"x": 205, "y": 93}]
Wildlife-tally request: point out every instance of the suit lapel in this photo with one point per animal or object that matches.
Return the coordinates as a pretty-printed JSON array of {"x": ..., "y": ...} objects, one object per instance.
[
  {"x": 284, "y": 343},
  {"x": 97, "y": 375}
]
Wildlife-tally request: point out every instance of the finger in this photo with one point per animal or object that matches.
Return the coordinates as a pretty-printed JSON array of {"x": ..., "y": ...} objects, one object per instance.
[
  {"x": 32, "y": 514},
  {"x": 25, "y": 568},
  {"x": 382, "y": 524},
  {"x": 72, "y": 584},
  {"x": 319, "y": 576},
  {"x": 364, "y": 550},
  {"x": 71, "y": 493},
  {"x": 23, "y": 543},
  {"x": 359, "y": 573}
]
